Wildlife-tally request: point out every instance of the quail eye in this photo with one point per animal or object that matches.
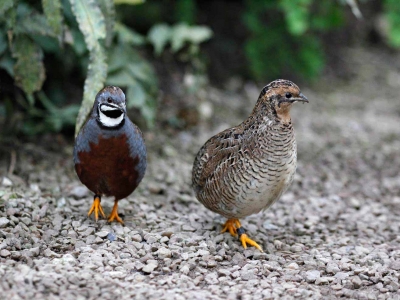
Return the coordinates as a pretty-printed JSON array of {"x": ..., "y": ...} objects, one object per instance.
[
  {"x": 109, "y": 100},
  {"x": 288, "y": 95}
]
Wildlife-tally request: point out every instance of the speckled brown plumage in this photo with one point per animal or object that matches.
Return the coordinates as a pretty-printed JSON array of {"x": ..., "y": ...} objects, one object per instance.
[{"x": 245, "y": 169}]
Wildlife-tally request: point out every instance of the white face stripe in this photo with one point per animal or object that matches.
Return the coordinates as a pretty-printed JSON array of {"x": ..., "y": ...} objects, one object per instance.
[
  {"x": 110, "y": 122},
  {"x": 105, "y": 107}
]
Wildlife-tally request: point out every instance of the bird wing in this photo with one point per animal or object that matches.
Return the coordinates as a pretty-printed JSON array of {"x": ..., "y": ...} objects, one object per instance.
[{"x": 217, "y": 155}]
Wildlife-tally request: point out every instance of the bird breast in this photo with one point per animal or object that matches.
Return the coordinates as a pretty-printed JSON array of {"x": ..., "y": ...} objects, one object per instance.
[
  {"x": 263, "y": 169},
  {"x": 267, "y": 180}
]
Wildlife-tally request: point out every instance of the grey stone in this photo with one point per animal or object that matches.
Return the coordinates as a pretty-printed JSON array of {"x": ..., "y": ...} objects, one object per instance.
[
  {"x": 111, "y": 236},
  {"x": 79, "y": 192},
  {"x": 341, "y": 275},
  {"x": 163, "y": 253},
  {"x": 332, "y": 268},
  {"x": 101, "y": 234},
  {"x": 149, "y": 268},
  {"x": 5, "y": 253},
  {"x": 312, "y": 275},
  {"x": 356, "y": 281},
  {"x": 3, "y": 222},
  {"x": 395, "y": 265}
]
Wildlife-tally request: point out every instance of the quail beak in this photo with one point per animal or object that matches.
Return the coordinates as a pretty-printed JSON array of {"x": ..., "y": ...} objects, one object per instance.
[{"x": 301, "y": 98}]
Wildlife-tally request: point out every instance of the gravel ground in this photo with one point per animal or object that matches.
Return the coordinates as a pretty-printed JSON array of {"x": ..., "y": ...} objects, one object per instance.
[{"x": 335, "y": 233}]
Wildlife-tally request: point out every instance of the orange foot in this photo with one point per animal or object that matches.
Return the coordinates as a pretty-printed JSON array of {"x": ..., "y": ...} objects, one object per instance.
[
  {"x": 114, "y": 214},
  {"x": 96, "y": 208},
  {"x": 231, "y": 225},
  {"x": 246, "y": 240},
  {"x": 234, "y": 227}
]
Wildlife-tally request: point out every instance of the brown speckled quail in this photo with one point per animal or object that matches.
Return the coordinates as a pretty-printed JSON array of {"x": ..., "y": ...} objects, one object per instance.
[{"x": 245, "y": 169}]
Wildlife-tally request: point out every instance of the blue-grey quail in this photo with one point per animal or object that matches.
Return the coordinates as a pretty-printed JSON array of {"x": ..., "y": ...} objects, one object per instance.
[{"x": 109, "y": 153}]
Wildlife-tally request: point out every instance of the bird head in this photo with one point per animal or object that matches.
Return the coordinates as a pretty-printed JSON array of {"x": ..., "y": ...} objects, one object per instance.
[
  {"x": 278, "y": 97},
  {"x": 110, "y": 107}
]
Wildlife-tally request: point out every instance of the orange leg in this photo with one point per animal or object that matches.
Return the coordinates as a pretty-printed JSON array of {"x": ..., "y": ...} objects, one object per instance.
[
  {"x": 231, "y": 225},
  {"x": 96, "y": 208},
  {"x": 114, "y": 214},
  {"x": 234, "y": 227}
]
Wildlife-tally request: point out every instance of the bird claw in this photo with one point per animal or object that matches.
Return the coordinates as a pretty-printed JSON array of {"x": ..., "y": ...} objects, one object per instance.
[
  {"x": 96, "y": 208},
  {"x": 246, "y": 240},
  {"x": 114, "y": 214},
  {"x": 231, "y": 225},
  {"x": 234, "y": 227}
]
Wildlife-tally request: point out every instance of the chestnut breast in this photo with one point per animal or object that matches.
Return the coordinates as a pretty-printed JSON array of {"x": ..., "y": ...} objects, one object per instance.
[{"x": 110, "y": 162}]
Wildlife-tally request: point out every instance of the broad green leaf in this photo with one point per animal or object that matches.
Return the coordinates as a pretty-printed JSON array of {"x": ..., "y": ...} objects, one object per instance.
[
  {"x": 136, "y": 96},
  {"x": 29, "y": 69},
  {"x": 120, "y": 78},
  {"x": 52, "y": 11},
  {"x": 96, "y": 76},
  {"x": 35, "y": 23},
  {"x": 128, "y": 69},
  {"x": 58, "y": 118},
  {"x": 78, "y": 41},
  {"x": 108, "y": 9},
  {"x": 92, "y": 24},
  {"x": 3, "y": 42},
  {"x": 117, "y": 58},
  {"x": 5, "y": 5},
  {"x": 131, "y": 2},
  {"x": 90, "y": 20},
  {"x": 128, "y": 36},
  {"x": 391, "y": 11},
  {"x": 199, "y": 34},
  {"x": 182, "y": 33},
  {"x": 159, "y": 35},
  {"x": 149, "y": 114},
  {"x": 9, "y": 14},
  {"x": 7, "y": 63},
  {"x": 297, "y": 15}
]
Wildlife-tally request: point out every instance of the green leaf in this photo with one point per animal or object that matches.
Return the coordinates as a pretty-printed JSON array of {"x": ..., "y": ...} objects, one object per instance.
[
  {"x": 130, "y": 2},
  {"x": 3, "y": 42},
  {"x": 9, "y": 14},
  {"x": 34, "y": 23},
  {"x": 97, "y": 73},
  {"x": 92, "y": 24},
  {"x": 297, "y": 15},
  {"x": 90, "y": 20},
  {"x": 108, "y": 9},
  {"x": 5, "y": 5},
  {"x": 128, "y": 69},
  {"x": 392, "y": 14},
  {"x": 52, "y": 11},
  {"x": 136, "y": 96},
  {"x": 128, "y": 36},
  {"x": 78, "y": 41},
  {"x": 7, "y": 63},
  {"x": 29, "y": 69},
  {"x": 182, "y": 33},
  {"x": 120, "y": 78},
  {"x": 158, "y": 36}
]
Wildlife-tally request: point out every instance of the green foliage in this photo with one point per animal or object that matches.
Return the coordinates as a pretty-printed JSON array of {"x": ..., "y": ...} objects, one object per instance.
[
  {"x": 88, "y": 28},
  {"x": 127, "y": 68},
  {"x": 284, "y": 35},
  {"x": 392, "y": 14},
  {"x": 179, "y": 35},
  {"x": 92, "y": 24},
  {"x": 28, "y": 69},
  {"x": 185, "y": 11},
  {"x": 52, "y": 11}
]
